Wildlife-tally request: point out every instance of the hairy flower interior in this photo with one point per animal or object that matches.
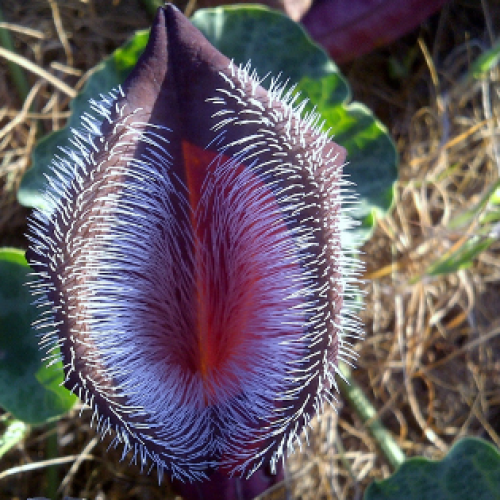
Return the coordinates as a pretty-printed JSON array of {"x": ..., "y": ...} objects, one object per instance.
[
  {"x": 240, "y": 252},
  {"x": 192, "y": 261}
]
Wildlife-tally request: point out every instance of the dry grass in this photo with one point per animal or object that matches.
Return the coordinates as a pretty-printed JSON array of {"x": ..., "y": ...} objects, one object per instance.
[{"x": 430, "y": 361}]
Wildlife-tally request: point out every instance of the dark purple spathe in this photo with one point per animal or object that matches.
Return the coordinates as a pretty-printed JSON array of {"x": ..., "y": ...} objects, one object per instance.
[{"x": 192, "y": 261}]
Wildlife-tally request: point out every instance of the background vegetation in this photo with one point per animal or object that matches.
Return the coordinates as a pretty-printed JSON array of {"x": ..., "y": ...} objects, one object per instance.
[{"x": 430, "y": 363}]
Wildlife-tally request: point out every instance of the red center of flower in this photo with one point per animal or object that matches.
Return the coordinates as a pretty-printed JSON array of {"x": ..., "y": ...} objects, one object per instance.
[{"x": 232, "y": 279}]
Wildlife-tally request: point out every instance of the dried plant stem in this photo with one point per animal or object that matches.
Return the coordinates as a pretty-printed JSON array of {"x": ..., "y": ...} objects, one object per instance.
[
  {"x": 60, "y": 32},
  {"x": 17, "y": 74},
  {"x": 64, "y": 486},
  {"x": 358, "y": 401},
  {"x": 42, "y": 464},
  {"x": 26, "y": 63},
  {"x": 22, "y": 115}
]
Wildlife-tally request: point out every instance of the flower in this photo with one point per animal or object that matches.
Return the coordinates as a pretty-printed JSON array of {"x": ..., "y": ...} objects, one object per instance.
[{"x": 193, "y": 261}]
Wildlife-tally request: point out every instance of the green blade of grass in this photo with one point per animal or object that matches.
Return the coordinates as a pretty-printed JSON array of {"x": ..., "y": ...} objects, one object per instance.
[
  {"x": 485, "y": 62},
  {"x": 462, "y": 258},
  {"x": 16, "y": 72},
  {"x": 14, "y": 433}
]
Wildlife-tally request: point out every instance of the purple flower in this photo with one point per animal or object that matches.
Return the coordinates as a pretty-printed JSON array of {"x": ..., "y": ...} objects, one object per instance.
[{"x": 192, "y": 261}]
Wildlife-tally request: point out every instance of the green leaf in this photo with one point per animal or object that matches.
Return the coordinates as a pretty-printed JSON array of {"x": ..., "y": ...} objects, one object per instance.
[
  {"x": 14, "y": 433},
  {"x": 485, "y": 62},
  {"x": 28, "y": 390},
  {"x": 274, "y": 45},
  {"x": 470, "y": 471},
  {"x": 491, "y": 214}
]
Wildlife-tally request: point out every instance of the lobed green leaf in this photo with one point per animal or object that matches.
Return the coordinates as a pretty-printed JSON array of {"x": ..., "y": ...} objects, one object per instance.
[
  {"x": 31, "y": 392},
  {"x": 470, "y": 471}
]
